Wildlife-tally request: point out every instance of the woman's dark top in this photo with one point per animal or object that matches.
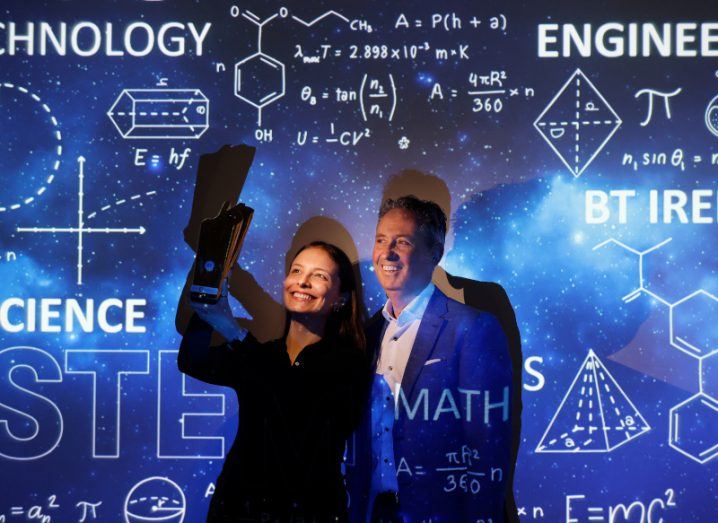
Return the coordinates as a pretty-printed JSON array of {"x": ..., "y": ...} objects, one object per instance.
[{"x": 294, "y": 420}]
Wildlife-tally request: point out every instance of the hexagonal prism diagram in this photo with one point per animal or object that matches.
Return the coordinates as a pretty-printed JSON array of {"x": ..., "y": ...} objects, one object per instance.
[
  {"x": 160, "y": 113},
  {"x": 693, "y": 428},
  {"x": 693, "y": 325},
  {"x": 259, "y": 80}
]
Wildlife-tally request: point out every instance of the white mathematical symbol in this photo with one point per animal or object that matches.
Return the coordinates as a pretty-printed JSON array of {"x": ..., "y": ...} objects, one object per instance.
[{"x": 81, "y": 229}]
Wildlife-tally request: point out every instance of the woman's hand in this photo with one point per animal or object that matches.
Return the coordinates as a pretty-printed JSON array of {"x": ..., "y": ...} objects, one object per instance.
[{"x": 219, "y": 315}]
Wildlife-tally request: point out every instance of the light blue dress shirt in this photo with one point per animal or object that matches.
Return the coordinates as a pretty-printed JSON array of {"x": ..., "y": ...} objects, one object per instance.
[{"x": 400, "y": 334}]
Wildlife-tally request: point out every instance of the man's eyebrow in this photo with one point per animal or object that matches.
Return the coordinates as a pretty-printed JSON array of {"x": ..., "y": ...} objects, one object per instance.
[
  {"x": 297, "y": 264},
  {"x": 382, "y": 235}
]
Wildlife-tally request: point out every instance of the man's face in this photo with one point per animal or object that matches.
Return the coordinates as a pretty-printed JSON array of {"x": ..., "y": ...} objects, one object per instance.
[{"x": 402, "y": 259}]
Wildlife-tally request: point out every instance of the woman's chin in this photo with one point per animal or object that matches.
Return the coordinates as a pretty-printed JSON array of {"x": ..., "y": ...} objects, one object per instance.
[{"x": 304, "y": 311}]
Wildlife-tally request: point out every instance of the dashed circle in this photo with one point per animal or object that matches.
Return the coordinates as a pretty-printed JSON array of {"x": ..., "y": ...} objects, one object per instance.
[{"x": 24, "y": 200}]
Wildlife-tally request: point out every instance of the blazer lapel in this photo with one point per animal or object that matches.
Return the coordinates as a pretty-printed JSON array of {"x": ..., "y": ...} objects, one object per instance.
[
  {"x": 429, "y": 329},
  {"x": 374, "y": 334}
]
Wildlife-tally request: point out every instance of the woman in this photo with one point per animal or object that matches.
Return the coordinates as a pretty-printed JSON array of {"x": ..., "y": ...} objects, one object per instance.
[{"x": 300, "y": 396}]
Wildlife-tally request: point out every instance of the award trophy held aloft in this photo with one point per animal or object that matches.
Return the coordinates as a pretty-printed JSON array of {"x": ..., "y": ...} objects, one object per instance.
[{"x": 220, "y": 239}]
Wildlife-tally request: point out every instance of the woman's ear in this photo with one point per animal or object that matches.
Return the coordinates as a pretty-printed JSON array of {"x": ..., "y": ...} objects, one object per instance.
[{"x": 342, "y": 300}]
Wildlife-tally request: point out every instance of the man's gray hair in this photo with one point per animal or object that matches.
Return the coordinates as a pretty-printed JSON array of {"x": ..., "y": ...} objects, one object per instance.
[{"x": 429, "y": 217}]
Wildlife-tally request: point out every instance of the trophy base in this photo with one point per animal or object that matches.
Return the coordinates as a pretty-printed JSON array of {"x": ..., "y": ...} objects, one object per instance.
[{"x": 202, "y": 294}]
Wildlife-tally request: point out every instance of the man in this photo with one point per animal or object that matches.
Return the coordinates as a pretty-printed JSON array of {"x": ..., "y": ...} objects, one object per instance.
[{"x": 438, "y": 431}]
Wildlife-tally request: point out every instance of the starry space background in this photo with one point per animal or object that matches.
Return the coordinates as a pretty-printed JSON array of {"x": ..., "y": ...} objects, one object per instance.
[{"x": 517, "y": 219}]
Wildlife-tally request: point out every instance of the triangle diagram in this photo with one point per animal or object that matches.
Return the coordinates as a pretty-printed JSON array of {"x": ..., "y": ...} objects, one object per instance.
[{"x": 595, "y": 415}]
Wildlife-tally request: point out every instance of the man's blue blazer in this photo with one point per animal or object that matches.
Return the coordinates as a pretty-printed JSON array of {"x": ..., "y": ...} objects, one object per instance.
[{"x": 452, "y": 426}]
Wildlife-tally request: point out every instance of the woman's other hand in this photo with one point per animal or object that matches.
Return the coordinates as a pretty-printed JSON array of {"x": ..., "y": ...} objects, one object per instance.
[{"x": 219, "y": 315}]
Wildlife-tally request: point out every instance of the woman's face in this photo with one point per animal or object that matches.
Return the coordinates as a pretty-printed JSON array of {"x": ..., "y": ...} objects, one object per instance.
[{"x": 312, "y": 285}]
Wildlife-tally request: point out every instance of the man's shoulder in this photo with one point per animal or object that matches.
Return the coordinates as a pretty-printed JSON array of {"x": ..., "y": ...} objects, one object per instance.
[
  {"x": 373, "y": 328},
  {"x": 377, "y": 317},
  {"x": 467, "y": 315}
]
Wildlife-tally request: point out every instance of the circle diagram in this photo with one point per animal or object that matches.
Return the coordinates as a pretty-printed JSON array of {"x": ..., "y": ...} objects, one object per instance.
[
  {"x": 31, "y": 161},
  {"x": 712, "y": 116},
  {"x": 155, "y": 499}
]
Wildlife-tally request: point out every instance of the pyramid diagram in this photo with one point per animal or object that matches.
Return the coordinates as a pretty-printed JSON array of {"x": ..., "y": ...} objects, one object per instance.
[{"x": 595, "y": 415}]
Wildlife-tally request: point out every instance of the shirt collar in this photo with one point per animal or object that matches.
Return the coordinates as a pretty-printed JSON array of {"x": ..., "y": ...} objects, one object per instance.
[{"x": 413, "y": 311}]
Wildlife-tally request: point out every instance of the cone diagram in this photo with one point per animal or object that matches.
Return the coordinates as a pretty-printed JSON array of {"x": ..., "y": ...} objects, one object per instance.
[{"x": 595, "y": 415}]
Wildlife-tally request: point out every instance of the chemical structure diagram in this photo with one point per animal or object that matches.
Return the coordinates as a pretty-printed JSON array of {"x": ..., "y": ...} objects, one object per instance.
[
  {"x": 693, "y": 423},
  {"x": 81, "y": 228},
  {"x": 260, "y": 79}
]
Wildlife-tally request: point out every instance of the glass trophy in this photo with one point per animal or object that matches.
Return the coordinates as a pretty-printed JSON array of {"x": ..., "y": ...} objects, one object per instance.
[{"x": 220, "y": 240}]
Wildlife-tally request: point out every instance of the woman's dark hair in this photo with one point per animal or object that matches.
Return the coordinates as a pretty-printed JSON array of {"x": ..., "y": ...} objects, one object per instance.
[{"x": 346, "y": 323}]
